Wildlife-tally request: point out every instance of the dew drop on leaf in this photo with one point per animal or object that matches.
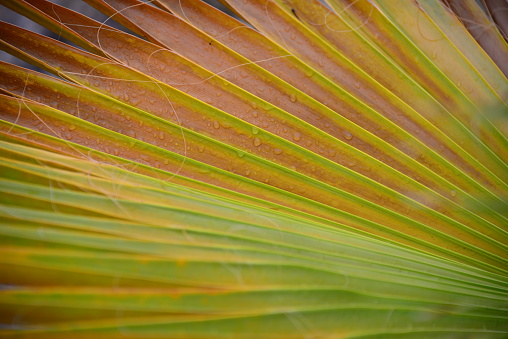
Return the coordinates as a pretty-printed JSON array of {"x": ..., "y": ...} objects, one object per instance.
[{"x": 297, "y": 136}]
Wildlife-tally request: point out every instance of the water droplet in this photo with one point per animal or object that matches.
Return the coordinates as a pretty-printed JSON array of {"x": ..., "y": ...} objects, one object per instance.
[
  {"x": 247, "y": 172},
  {"x": 257, "y": 142},
  {"x": 254, "y": 105},
  {"x": 277, "y": 151},
  {"x": 255, "y": 114},
  {"x": 357, "y": 84},
  {"x": 433, "y": 55},
  {"x": 72, "y": 128},
  {"x": 352, "y": 163},
  {"x": 453, "y": 193},
  {"x": 201, "y": 148},
  {"x": 216, "y": 124},
  {"x": 297, "y": 136},
  {"x": 292, "y": 97},
  {"x": 161, "y": 135},
  {"x": 347, "y": 135},
  {"x": 240, "y": 153},
  {"x": 255, "y": 130}
]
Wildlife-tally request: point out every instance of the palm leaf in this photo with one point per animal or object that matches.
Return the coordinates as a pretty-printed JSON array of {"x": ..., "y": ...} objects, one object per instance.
[{"x": 309, "y": 170}]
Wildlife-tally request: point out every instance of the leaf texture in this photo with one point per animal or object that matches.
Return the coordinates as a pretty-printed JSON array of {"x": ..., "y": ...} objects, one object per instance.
[{"x": 301, "y": 170}]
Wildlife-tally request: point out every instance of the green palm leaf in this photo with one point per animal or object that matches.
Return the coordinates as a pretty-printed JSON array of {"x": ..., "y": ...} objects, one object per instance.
[{"x": 326, "y": 170}]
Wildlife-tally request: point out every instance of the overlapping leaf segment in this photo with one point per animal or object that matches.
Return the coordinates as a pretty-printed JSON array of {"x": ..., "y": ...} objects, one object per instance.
[{"x": 323, "y": 171}]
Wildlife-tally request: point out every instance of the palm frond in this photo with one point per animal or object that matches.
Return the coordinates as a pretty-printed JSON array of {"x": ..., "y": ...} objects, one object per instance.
[{"x": 300, "y": 170}]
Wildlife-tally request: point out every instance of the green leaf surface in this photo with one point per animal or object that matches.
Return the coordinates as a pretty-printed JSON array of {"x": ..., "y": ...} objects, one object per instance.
[{"x": 299, "y": 170}]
